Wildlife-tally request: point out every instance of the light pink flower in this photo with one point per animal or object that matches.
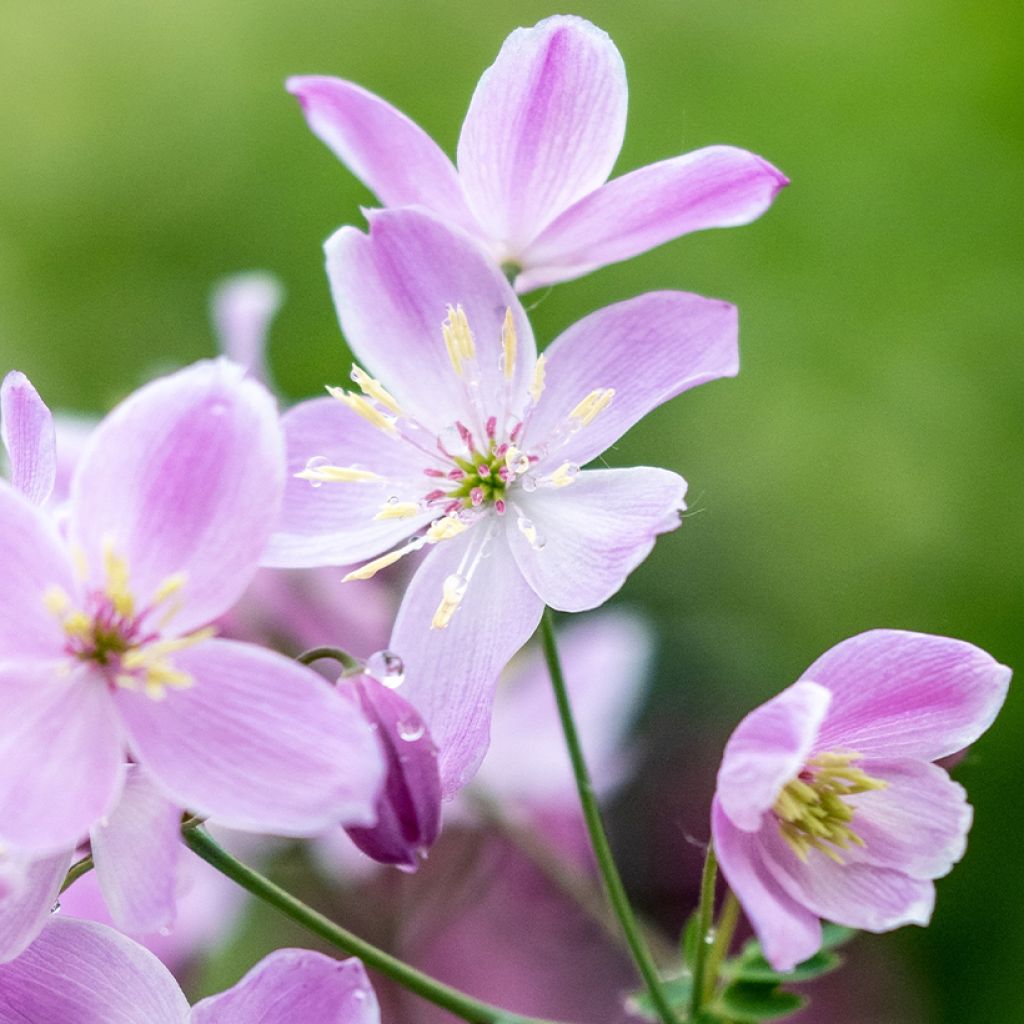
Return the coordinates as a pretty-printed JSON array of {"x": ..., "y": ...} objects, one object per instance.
[
  {"x": 471, "y": 445},
  {"x": 26, "y": 427},
  {"x": 104, "y": 649},
  {"x": 828, "y": 804},
  {"x": 542, "y": 134},
  {"x": 242, "y": 308},
  {"x": 86, "y": 973}
]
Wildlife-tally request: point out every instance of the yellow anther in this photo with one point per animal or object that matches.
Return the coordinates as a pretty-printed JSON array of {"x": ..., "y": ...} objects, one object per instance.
[
  {"x": 444, "y": 529},
  {"x": 564, "y": 475},
  {"x": 78, "y": 624},
  {"x": 398, "y": 510},
  {"x": 458, "y": 338},
  {"x": 539, "y": 372},
  {"x": 365, "y": 408},
  {"x": 590, "y": 406},
  {"x": 453, "y": 590},
  {"x": 116, "y": 569},
  {"x": 365, "y": 572},
  {"x": 515, "y": 461},
  {"x": 56, "y": 600},
  {"x": 170, "y": 586},
  {"x": 339, "y": 475},
  {"x": 374, "y": 389},
  {"x": 509, "y": 344}
]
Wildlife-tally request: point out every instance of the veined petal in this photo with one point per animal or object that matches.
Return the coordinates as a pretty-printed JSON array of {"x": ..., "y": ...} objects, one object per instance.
[
  {"x": 27, "y": 429},
  {"x": 649, "y": 349},
  {"x": 242, "y": 309},
  {"x": 34, "y": 561},
  {"x": 334, "y": 524},
  {"x": 451, "y": 673},
  {"x": 715, "y": 187},
  {"x": 392, "y": 289},
  {"x": 767, "y": 749},
  {"x": 588, "y": 537},
  {"x": 61, "y": 751},
  {"x": 544, "y": 127},
  {"x": 183, "y": 477},
  {"x": 136, "y": 850},
  {"x": 293, "y": 985},
  {"x": 24, "y": 911},
  {"x": 87, "y": 973},
  {"x": 789, "y": 932},
  {"x": 258, "y": 742},
  {"x": 900, "y": 694},
  {"x": 386, "y": 150}
]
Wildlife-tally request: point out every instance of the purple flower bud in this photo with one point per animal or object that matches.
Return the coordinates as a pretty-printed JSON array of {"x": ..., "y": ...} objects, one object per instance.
[{"x": 409, "y": 807}]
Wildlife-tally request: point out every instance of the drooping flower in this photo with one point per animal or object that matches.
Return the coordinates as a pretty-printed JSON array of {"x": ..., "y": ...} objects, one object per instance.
[
  {"x": 104, "y": 647},
  {"x": 26, "y": 427},
  {"x": 86, "y": 973},
  {"x": 461, "y": 438},
  {"x": 242, "y": 308},
  {"x": 828, "y": 804},
  {"x": 543, "y": 131}
]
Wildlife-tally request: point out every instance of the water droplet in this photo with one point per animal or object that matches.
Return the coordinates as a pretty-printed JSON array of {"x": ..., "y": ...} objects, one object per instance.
[
  {"x": 359, "y": 996},
  {"x": 411, "y": 729},
  {"x": 450, "y": 437},
  {"x": 455, "y": 587},
  {"x": 529, "y": 482},
  {"x": 571, "y": 469},
  {"x": 529, "y": 531},
  {"x": 315, "y": 463},
  {"x": 218, "y": 408},
  {"x": 387, "y": 668},
  {"x": 393, "y": 499},
  {"x": 165, "y": 930},
  {"x": 55, "y": 909}
]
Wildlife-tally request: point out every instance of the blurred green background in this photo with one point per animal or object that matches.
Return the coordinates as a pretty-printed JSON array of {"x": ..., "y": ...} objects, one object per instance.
[{"x": 864, "y": 469}]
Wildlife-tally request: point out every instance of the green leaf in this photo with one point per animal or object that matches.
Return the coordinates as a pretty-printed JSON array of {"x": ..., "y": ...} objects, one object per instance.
[
  {"x": 835, "y": 935},
  {"x": 676, "y": 989},
  {"x": 747, "y": 1001},
  {"x": 752, "y": 966}
]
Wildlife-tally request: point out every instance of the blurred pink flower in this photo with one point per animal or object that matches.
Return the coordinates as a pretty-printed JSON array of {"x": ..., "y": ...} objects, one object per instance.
[
  {"x": 542, "y": 134},
  {"x": 828, "y": 805}
]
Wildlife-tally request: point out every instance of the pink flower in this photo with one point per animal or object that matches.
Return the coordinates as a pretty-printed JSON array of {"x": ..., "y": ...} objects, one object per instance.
[
  {"x": 470, "y": 445},
  {"x": 87, "y": 973},
  {"x": 26, "y": 427},
  {"x": 543, "y": 131},
  {"x": 828, "y": 805},
  {"x": 104, "y": 649}
]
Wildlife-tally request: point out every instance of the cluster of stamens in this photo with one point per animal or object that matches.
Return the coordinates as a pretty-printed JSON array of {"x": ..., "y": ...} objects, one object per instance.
[{"x": 812, "y": 810}]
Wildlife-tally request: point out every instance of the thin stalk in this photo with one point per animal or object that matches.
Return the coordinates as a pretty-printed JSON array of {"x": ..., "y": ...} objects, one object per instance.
[
  {"x": 469, "y": 1009},
  {"x": 728, "y": 918},
  {"x": 706, "y": 913},
  {"x": 598, "y": 838},
  {"x": 353, "y": 666},
  {"x": 75, "y": 872}
]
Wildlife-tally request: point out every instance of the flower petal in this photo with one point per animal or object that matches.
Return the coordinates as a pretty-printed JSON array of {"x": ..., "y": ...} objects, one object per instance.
[
  {"x": 242, "y": 308},
  {"x": 899, "y": 694},
  {"x": 391, "y": 154},
  {"x": 333, "y": 523},
  {"x": 450, "y": 674},
  {"x": 24, "y": 911},
  {"x": 87, "y": 973},
  {"x": 392, "y": 289},
  {"x": 33, "y": 560},
  {"x": 788, "y": 931},
  {"x": 767, "y": 750},
  {"x": 60, "y": 755},
  {"x": 715, "y": 187},
  {"x": 136, "y": 850},
  {"x": 649, "y": 349},
  {"x": 544, "y": 127},
  {"x": 26, "y": 426},
  {"x": 185, "y": 476},
  {"x": 295, "y": 985},
  {"x": 258, "y": 742},
  {"x": 591, "y": 535}
]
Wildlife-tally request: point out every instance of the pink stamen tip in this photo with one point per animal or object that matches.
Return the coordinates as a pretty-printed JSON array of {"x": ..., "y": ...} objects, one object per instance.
[
  {"x": 499, "y": 452},
  {"x": 504, "y": 474},
  {"x": 492, "y": 427},
  {"x": 499, "y": 506},
  {"x": 435, "y": 495},
  {"x": 477, "y": 496},
  {"x": 452, "y": 506},
  {"x": 467, "y": 437},
  {"x": 483, "y": 470},
  {"x": 434, "y": 472},
  {"x": 516, "y": 431},
  {"x": 456, "y": 474},
  {"x": 533, "y": 458}
]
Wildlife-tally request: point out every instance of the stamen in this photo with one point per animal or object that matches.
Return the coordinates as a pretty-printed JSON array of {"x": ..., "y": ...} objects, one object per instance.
[
  {"x": 115, "y": 568},
  {"x": 363, "y": 407},
  {"x": 368, "y": 571},
  {"x": 398, "y": 510},
  {"x": 56, "y": 600},
  {"x": 374, "y": 389},
  {"x": 453, "y": 591},
  {"x": 537, "y": 384},
  {"x": 590, "y": 406},
  {"x": 338, "y": 475},
  {"x": 565, "y": 474},
  {"x": 458, "y": 338},
  {"x": 509, "y": 344},
  {"x": 170, "y": 586},
  {"x": 445, "y": 528}
]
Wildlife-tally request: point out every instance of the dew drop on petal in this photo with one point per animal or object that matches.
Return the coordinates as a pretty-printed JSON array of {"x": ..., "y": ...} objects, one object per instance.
[
  {"x": 387, "y": 668},
  {"x": 411, "y": 729},
  {"x": 315, "y": 463},
  {"x": 530, "y": 532},
  {"x": 529, "y": 482},
  {"x": 55, "y": 909}
]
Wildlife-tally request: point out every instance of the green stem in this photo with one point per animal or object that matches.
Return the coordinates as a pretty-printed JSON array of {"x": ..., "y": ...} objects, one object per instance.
[
  {"x": 353, "y": 666},
  {"x": 724, "y": 931},
  {"x": 598, "y": 839},
  {"x": 451, "y": 999},
  {"x": 75, "y": 872},
  {"x": 706, "y": 913}
]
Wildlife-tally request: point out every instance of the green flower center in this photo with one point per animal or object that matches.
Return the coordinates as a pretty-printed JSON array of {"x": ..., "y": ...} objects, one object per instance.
[{"x": 485, "y": 480}]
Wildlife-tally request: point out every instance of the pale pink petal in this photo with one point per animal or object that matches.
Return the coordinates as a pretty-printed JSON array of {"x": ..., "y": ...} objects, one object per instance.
[
  {"x": 579, "y": 543},
  {"x": 136, "y": 850},
  {"x": 333, "y": 523},
  {"x": 25, "y": 910},
  {"x": 392, "y": 289},
  {"x": 185, "y": 476},
  {"x": 72, "y": 435},
  {"x": 259, "y": 742},
  {"x": 292, "y": 986},
  {"x": 716, "y": 187},
  {"x": 242, "y": 309},
  {"x": 60, "y": 755},
  {"x": 26, "y": 426},
  {"x": 918, "y": 824},
  {"x": 899, "y": 694},
  {"x": 33, "y": 560},
  {"x": 767, "y": 750},
  {"x": 789, "y": 932},
  {"x": 450, "y": 674},
  {"x": 648, "y": 349},
  {"x": 387, "y": 151},
  {"x": 544, "y": 127},
  {"x": 79, "y": 972},
  {"x": 853, "y": 894}
]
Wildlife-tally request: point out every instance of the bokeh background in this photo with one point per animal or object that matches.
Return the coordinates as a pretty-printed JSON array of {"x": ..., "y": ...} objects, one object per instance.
[{"x": 864, "y": 469}]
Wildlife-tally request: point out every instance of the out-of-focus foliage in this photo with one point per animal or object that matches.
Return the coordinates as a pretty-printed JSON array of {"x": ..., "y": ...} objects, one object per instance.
[{"x": 865, "y": 468}]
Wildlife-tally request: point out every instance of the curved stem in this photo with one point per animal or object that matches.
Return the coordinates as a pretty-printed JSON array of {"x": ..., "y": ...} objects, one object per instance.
[
  {"x": 472, "y": 1010},
  {"x": 706, "y": 916},
  {"x": 75, "y": 872},
  {"x": 598, "y": 839},
  {"x": 353, "y": 666},
  {"x": 728, "y": 918}
]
